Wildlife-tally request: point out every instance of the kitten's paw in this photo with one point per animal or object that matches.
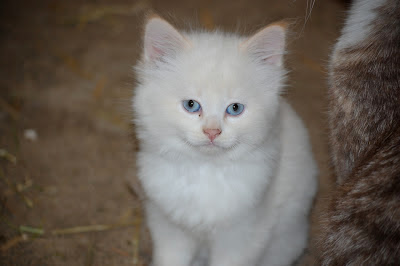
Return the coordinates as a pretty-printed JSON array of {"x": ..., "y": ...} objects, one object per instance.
[{"x": 199, "y": 262}]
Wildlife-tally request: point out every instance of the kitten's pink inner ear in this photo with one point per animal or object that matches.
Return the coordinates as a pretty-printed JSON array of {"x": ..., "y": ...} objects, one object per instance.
[
  {"x": 161, "y": 40},
  {"x": 267, "y": 45}
]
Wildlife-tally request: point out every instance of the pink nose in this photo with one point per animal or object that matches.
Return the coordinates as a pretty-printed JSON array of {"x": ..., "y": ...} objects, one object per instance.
[{"x": 212, "y": 133}]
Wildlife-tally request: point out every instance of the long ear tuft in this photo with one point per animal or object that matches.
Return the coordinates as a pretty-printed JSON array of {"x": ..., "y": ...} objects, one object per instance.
[
  {"x": 161, "y": 39},
  {"x": 268, "y": 44}
]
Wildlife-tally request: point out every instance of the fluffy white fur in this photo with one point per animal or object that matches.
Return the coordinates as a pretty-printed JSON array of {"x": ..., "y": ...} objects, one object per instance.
[{"x": 244, "y": 199}]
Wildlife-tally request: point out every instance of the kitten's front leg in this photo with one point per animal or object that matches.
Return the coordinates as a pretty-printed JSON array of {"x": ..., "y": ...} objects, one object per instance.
[
  {"x": 235, "y": 254},
  {"x": 171, "y": 244},
  {"x": 240, "y": 245}
]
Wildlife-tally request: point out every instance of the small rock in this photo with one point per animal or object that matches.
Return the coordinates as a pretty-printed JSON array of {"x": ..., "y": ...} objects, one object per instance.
[{"x": 30, "y": 134}]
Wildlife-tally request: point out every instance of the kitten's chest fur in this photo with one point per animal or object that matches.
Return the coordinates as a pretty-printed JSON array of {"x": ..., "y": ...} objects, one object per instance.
[{"x": 207, "y": 193}]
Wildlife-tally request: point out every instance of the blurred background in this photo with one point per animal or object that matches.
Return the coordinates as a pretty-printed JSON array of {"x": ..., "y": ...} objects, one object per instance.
[{"x": 67, "y": 147}]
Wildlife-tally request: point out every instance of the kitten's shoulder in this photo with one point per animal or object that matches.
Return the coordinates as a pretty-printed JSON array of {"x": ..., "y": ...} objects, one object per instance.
[{"x": 292, "y": 125}]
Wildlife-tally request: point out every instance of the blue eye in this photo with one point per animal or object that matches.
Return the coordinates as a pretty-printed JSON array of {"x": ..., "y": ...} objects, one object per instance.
[
  {"x": 235, "y": 109},
  {"x": 191, "y": 106}
]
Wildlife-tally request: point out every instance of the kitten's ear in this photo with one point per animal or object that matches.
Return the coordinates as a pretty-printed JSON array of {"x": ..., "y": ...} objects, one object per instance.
[
  {"x": 161, "y": 39},
  {"x": 268, "y": 44}
]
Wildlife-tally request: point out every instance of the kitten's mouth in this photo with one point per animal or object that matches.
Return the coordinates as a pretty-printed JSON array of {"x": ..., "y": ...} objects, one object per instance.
[{"x": 209, "y": 145}]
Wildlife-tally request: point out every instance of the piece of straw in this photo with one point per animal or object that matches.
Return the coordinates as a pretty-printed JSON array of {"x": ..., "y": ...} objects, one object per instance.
[
  {"x": 8, "y": 156},
  {"x": 31, "y": 230},
  {"x": 13, "y": 241}
]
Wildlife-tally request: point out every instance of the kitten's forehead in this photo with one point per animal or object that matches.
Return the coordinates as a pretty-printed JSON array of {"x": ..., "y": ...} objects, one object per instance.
[
  {"x": 215, "y": 49},
  {"x": 214, "y": 63},
  {"x": 214, "y": 41}
]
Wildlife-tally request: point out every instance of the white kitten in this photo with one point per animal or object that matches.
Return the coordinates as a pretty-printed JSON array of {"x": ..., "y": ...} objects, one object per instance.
[{"x": 224, "y": 161}]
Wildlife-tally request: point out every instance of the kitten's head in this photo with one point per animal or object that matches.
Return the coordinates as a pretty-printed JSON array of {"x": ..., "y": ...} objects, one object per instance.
[{"x": 206, "y": 94}]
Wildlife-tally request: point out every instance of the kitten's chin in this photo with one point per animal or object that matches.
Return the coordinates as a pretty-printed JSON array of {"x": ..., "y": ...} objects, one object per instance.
[{"x": 209, "y": 147}]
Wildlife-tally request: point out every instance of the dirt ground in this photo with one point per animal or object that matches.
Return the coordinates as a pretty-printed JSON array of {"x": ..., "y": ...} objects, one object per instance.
[{"x": 67, "y": 149}]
